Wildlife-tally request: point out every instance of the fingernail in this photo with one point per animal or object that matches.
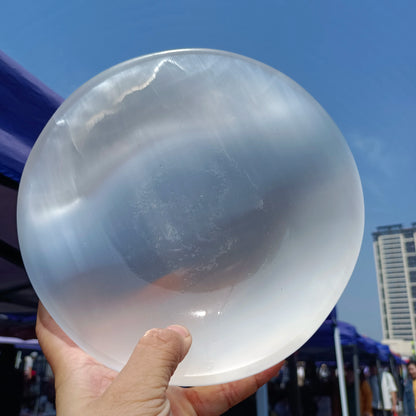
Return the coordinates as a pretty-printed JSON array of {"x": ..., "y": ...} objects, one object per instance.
[
  {"x": 150, "y": 332},
  {"x": 180, "y": 330}
]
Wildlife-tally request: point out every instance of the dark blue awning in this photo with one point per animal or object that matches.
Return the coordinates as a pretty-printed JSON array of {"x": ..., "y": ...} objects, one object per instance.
[
  {"x": 26, "y": 105},
  {"x": 321, "y": 347}
]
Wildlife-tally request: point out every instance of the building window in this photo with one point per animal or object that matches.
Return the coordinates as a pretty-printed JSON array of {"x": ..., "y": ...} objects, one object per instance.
[
  {"x": 410, "y": 247},
  {"x": 413, "y": 291},
  {"x": 404, "y": 308},
  {"x": 393, "y": 261},
  {"x": 398, "y": 296},
  {"x": 388, "y": 247},
  {"x": 390, "y": 259},
  {"x": 397, "y": 265},
  {"x": 395, "y": 285},
  {"x": 408, "y": 234},
  {"x": 412, "y": 276},
  {"x": 411, "y": 261},
  {"x": 396, "y": 275}
]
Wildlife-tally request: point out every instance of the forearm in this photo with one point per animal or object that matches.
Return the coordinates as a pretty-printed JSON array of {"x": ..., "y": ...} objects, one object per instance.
[{"x": 394, "y": 399}]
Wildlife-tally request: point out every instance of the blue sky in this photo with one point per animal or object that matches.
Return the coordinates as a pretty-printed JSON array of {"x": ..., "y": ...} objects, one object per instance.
[{"x": 357, "y": 58}]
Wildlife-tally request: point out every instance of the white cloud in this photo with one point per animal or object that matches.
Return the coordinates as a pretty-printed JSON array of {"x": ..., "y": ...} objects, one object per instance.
[
  {"x": 374, "y": 155},
  {"x": 378, "y": 167}
]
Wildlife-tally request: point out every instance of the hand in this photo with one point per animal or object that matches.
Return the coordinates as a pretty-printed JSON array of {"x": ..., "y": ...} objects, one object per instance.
[{"x": 86, "y": 387}]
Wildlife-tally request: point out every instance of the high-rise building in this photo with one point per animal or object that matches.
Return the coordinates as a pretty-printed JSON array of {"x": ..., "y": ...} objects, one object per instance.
[{"x": 395, "y": 257}]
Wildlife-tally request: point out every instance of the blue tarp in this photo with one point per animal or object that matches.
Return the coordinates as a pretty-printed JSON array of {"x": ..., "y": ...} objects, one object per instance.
[
  {"x": 324, "y": 336},
  {"x": 321, "y": 345},
  {"x": 26, "y": 104},
  {"x": 367, "y": 344}
]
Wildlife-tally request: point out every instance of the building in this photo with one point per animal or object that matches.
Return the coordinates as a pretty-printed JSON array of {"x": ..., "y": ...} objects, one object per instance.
[
  {"x": 395, "y": 257},
  {"x": 400, "y": 346}
]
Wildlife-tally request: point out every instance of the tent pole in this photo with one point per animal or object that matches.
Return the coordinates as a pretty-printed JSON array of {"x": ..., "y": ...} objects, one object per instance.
[
  {"x": 394, "y": 370},
  {"x": 340, "y": 366},
  {"x": 379, "y": 377},
  {"x": 262, "y": 401},
  {"x": 294, "y": 395},
  {"x": 356, "y": 368}
]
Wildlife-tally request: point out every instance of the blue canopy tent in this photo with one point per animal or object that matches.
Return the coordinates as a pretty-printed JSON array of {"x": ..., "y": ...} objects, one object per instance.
[
  {"x": 330, "y": 343},
  {"x": 321, "y": 346},
  {"x": 26, "y": 105},
  {"x": 356, "y": 349}
]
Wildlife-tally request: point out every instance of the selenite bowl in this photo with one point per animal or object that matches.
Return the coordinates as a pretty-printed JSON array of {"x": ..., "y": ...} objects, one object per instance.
[{"x": 195, "y": 187}]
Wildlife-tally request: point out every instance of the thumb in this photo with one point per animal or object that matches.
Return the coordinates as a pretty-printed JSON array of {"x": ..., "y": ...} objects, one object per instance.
[{"x": 147, "y": 373}]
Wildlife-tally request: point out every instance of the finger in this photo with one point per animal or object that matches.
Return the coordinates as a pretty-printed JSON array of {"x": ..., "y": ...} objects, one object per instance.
[
  {"x": 60, "y": 351},
  {"x": 52, "y": 339},
  {"x": 147, "y": 373},
  {"x": 215, "y": 400}
]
